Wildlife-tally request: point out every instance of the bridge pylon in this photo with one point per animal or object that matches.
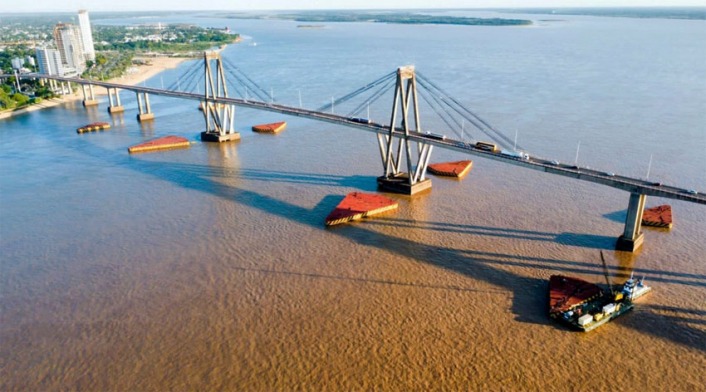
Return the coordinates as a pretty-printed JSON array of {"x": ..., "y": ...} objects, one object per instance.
[
  {"x": 219, "y": 117},
  {"x": 396, "y": 148}
]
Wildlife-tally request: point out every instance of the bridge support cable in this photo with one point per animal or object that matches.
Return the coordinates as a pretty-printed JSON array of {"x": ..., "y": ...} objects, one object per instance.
[
  {"x": 219, "y": 116},
  {"x": 438, "y": 108},
  {"x": 250, "y": 84},
  {"x": 467, "y": 114},
  {"x": 438, "y": 98},
  {"x": 190, "y": 80},
  {"x": 193, "y": 83},
  {"x": 234, "y": 70},
  {"x": 187, "y": 75},
  {"x": 372, "y": 99},
  {"x": 395, "y": 148},
  {"x": 349, "y": 96},
  {"x": 248, "y": 89}
]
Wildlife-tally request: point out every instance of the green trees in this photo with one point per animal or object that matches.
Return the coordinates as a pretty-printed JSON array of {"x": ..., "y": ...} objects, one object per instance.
[
  {"x": 171, "y": 38},
  {"x": 20, "y": 99},
  {"x": 11, "y": 101}
]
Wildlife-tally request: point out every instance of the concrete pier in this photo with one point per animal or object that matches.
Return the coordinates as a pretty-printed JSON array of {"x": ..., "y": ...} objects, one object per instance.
[
  {"x": 89, "y": 98},
  {"x": 632, "y": 237},
  {"x": 66, "y": 88},
  {"x": 213, "y": 136},
  {"x": 54, "y": 86},
  {"x": 115, "y": 105},
  {"x": 143, "y": 106},
  {"x": 399, "y": 183}
]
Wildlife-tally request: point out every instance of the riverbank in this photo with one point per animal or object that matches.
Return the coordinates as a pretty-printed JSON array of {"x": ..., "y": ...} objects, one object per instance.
[{"x": 135, "y": 75}]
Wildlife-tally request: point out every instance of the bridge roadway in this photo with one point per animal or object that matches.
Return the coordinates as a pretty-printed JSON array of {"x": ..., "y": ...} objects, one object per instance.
[{"x": 624, "y": 183}]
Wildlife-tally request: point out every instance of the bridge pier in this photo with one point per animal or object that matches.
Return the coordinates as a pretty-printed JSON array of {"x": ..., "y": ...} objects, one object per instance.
[
  {"x": 632, "y": 237},
  {"x": 89, "y": 99},
  {"x": 395, "y": 179},
  {"x": 143, "y": 107},
  {"x": 219, "y": 117},
  {"x": 53, "y": 86},
  {"x": 115, "y": 106}
]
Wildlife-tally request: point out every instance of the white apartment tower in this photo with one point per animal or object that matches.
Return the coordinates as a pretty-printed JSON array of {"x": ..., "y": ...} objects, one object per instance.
[
  {"x": 86, "y": 36},
  {"x": 68, "y": 41},
  {"x": 49, "y": 61}
]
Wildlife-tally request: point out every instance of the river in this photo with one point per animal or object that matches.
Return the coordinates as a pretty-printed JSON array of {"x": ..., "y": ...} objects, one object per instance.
[{"x": 210, "y": 268}]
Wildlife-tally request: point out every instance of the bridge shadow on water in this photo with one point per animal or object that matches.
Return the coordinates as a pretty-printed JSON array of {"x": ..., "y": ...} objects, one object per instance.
[
  {"x": 623, "y": 270},
  {"x": 571, "y": 239},
  {"x": 528, "y": 299},
  {"x": 617, "y": 216},
  {"x": 363, "y": 183}
]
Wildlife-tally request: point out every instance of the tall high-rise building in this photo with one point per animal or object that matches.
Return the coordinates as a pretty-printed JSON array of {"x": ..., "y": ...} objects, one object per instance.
[
  {"x": 49, "y": 61},
  {"x": 86, "y": 35},
  {"x": 68, "y": 40}
]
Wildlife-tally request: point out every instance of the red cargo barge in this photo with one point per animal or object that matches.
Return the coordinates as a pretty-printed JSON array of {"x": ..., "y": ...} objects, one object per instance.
[
  {"x": 96, "y": 126},
  {"x": 163, "y": 143},
  {"x": 358, "y": 205},
  {"x": 456, "y": 169},
  {"x": 660, "y": 216},
  {"x": 270, "y": 128}
]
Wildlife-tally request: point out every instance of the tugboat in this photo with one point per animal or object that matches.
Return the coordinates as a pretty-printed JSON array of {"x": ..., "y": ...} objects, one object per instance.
[{"x": 584, "y": 306}]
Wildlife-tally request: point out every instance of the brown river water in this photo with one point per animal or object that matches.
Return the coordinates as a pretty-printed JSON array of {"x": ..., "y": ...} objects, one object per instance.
[{"x": 210, "y": 268}]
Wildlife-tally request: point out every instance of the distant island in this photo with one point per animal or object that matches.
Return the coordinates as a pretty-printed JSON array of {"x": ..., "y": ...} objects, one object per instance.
[
  {"x": 690, "y": 13},
  {"x": 379, "y": 17}
]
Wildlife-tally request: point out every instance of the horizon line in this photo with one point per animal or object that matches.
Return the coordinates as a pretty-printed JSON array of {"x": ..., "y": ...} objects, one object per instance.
[{"x": 360, "y": 9}]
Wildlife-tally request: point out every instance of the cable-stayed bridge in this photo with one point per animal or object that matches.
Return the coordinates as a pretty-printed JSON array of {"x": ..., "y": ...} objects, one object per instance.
[{"x": 405, "y": 147}]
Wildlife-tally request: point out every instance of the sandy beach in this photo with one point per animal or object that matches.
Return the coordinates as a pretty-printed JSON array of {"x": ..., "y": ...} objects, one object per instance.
[{"x": 135, "y": 75}]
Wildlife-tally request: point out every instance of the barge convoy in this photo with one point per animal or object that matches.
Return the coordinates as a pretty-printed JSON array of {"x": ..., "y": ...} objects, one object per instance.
[{"x": 585, "y": 306}]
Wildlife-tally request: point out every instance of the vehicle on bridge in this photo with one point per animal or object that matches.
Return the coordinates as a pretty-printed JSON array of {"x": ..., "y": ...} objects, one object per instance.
[
  {"x": 360, "y": 120},
  {"x": 435, "y": 136},
  {"x": 515, "y": 154},
  {"x": 487, "y": 146}
]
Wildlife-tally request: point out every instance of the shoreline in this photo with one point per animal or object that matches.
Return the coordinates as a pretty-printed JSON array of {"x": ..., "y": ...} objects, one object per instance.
[{"x": 139, "y": 74}]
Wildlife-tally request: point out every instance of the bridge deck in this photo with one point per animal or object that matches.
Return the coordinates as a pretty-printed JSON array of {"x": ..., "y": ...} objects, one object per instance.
[{"x": 625, "y": 183}]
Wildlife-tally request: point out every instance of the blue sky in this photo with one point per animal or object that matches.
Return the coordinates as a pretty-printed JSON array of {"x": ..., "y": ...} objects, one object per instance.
[{"x": 144, "y": 5}]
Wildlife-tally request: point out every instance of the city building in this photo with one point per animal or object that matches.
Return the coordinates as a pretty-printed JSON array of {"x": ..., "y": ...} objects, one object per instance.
[
  {"x": 49, "y": 61},
  {"x": 68, "y": 40},
  {"x": 17, "y": 63},
  {"x": 86, "y": 35}
]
